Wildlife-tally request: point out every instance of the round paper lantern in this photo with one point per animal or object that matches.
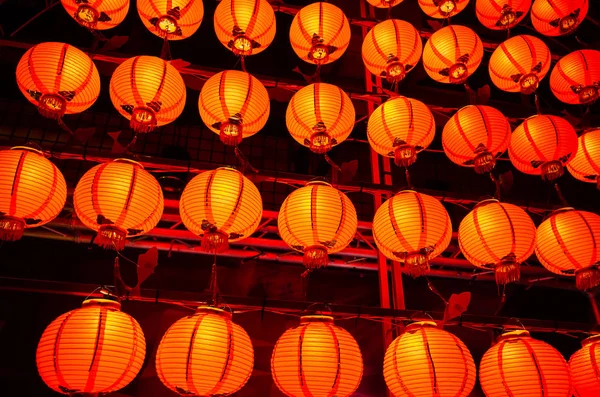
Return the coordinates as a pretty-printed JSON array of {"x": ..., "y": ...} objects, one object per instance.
[
  {"x": 317, "y": 358},
  {"x": 32, "y": 191},
  {"x": 148, "y": 91},
  {"x": 320, "y": 116},
  {"x": 391, "y": 49},
  {"x": 543, "y": 145},
  {"x": 400, "y": 128},
  {"x": 171, "y": 19},
  {"x": 520, "y": 366},
  {"x": 427, "y": 361},
  {"x": 221, "y": 205},
  {"x": 412, "y": 228},
  {"x": 58, "y": 78},
  {"x": 501, "y": 14},
  {"x": 475, "y": 136},
  {"x": 317, "y": 220},
  {"x": 442, "y": 8},
  {"x": 118, "y": 199},
  {"x": 246, "y": 27},
  {"x": 205, "y": 354},
  {"x": 566, "y": 244},
  {"x": 91, "y": 350},
  {"x": 584, "y": 368},
  {"x": 384, "y": 3},
  {"x": 558, "y": 17},
  {"x": 586, "y": 164},
  {"x": 452, "y": 54},
  {"x": 234, "y": 105},
  {"x": 320, "y": 33},
  {"x": 497, "y": 236},
  {"x": 575, "y": 78},
  {"x": 98, "y": 15},
  {"x": 519, "y": 63}
]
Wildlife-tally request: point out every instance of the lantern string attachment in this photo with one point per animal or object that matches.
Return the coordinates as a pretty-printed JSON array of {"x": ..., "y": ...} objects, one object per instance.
[
  {"x": 214, "y": 285},
  {"x": 407, "y": 175},
  {"x": 245, "y": 163},
  {"x": 561, "y": 197},
  {"x": 536, "y": 99},
  {"x": 243, "y": 63},
  {"x": 165, "y": 52}
]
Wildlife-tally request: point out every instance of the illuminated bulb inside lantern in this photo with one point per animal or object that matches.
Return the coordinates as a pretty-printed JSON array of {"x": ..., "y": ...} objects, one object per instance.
[
  {"x": 529, "y": 83},
  {"x": 416, "y": 264},
  {"x": 86, "y": 15},
  {"x": 484, "y": 161},
  {"x": 588, "y": 94},
  {"x": 507, "y": 19},
  {"x": 320, "y": 141},
  {"x": 11, "y": 228},
  {"x": 318, "y": 53},
  {"x": 166, "y": 24},
  {"x": 242, "y": 45},
  {"x": 568, "y": 23},
  {"x": 552, "y": 170},
  {"x": 315, "y": 257},
  {"x": 111, "y": 237},
  {"x": 508, "y": 270},
  {"x": 458, "y": 73},
  {"x": 231, "y": 133},
  {"x": 404, "y": 155},
  {"x": 447, "y": 6},
  {"x": 52, "y": 106},
  {"x": 395, "y": 71},
  {"x": 143, "y": 119},
  {"x": 215, "y": 242},
  {"x": 587, "y": 278}
]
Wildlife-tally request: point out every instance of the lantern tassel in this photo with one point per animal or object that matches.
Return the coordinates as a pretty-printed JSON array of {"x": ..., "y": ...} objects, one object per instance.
[
  {"x": 111, "y": 237},
  {"x": 11, "y": 228},
  {"x": 587, "y": 278},
  {"x": 507, "y": 271},
  {"x": 315, "y": 257},
  {"x": 416, "y": 264},
  {"x": 215, "y": 242}
]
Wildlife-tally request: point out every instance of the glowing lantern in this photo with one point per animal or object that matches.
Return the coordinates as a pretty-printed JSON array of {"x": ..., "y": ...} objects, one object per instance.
[
  {"x": 566, "y": 244},
  {"x": 575, "y": 78},
  {"x": 543, "y": 145},
  {"x": 427, "y": 361},
  {"x": 442, "y": 8},
  {"x": 412, "y": 228},
  {"x": 234, "y": 105},
  {"x": 205, "y": 354},
  {"x": 518, "y": 365},
  {"x": 384, "y": 3},
  {"x": 221, "y": 206},
  {"x": 32, "y": 191},
  {"x": 246, "y": 27},
  {"x": 498, "y": 236},
  {"x": 391, "y": 49},
  {"x": 400, "y": 128},
  {"x": 171, "y": 19},
  {"x": 91, "y": 350},
  {"x": 586, "y": 164},
  {"x": 584, "y": 368},
  {"x": 519, "y": 63},
  {"x": 558, "y": 17},
  {"x": 58, "y": 78},
  {"x": 317, "y": 358},
  {"x": 320, "y": 33},
  {"x": 475, "y": 136},
  {"x": 452, "y": 54},
  {"x": 501, "y": 14},
  {"x": 317, "y": 220},
  {"x": 99, "y": 15},
  {"x": 118, "y": 199},
  {"x": 320, "y": 116}
]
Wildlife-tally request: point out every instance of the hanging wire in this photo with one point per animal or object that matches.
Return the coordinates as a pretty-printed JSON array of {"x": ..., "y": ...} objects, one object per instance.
[
  {"x": 562, "y": 199},
  {"x": 243, "y": 62},
  {"x": 407, "y": 175}
]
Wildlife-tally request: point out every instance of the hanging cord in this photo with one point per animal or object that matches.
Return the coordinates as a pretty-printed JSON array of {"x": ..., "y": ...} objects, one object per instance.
[
  {"x": 245, "y": 163},
  {"x": 214, "y": 286},
  {"x": 407, "y": 175},
  {"x": 562, "y": 199},
  {"x": 498, "y": 183},
  {"x": 305, "y": 276},
  {"x": 165, "y": 52},
  {"x": 389, "y": 11},
  {"x": 243, "y": 63},
  {"x": 502, "y": 299},
  {"x": 332, "y": 163},
  {"x": 317, "y": 76},
  {"x": 64, "y": 127},
  {"x": 536, "y": 99}
]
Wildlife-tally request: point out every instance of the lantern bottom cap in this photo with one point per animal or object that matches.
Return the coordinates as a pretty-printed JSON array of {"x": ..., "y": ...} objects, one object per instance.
[
  {"x": 52, "y": 106},
  {"x": 315, "y": 257},
  {"x": 320, "y": 142},
  {"x": 405, "y": 155},
  {"x": 111, "y": 237},
  {"x": 484, "y": 162},
  {"x": 507, "y": 271},
  {"x": 587, "y": 278},
  {"x": 214, "y": 242},
  {"x": 230, "y": 133},
  {"x": 416, "y": 264},
  {"x": 11, "y": 228},
  {"x": 143, "y": 120},
  {"x": 87, "y": 16},
  {"x": 552, "y": 170}
]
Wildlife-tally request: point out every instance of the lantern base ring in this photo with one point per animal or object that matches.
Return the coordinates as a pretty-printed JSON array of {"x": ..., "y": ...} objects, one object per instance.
[
  {"x": 319, "y": 54},
  {"x": 143, "y": 120},
  {"x": 507, "y": 19},
  {"x": 484, "y": 162},
  {"x": 52, "y": 106},
  {"x": 458, "y": 73},
  {"x": 242, "y": 45},
  {"x": 587, "y": 278},
  {"x": 568, "y": 24},
  {"x": 315, "y": 257},
  {"x": 11, "y": 228},
  {"x": 588, "y": 94},
  {"x": 507, "y": 271},
  {"x": 87, "y": 16},
  {"x": 416, "y": 264},
  {"x": 320, "y": 142},
  {"x": 405, "y": 155},
  {"x": 529, "y": 83},
  {"x": 215, "y": 242},
  {"x": 552, "y": 170},
  {"x": 230, "y": 133},
  {"x": 166, "y": 25},
  {"x": 395, "y": 72},
  {"x": 111, "y": 237}
]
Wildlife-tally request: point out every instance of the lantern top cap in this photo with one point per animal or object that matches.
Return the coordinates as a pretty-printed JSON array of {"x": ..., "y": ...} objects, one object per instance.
[
  {"x": 514, "y": 334},
  {"x": 560, "y": 211},
  {"x": 128, "y": 161},
  {"x": 593, "y": 338},
  {"x": 227, "y": 168},
  {"x": 318, "y": 183},
  {"x": 213, "y": 310},
  {"x": 486, "y": 202},
  {"x": 108, "y": 303},
  {"x": 316, "y": 319},
  {"x": 420, "y": 324},
  {"x": 28, "y": 149}
]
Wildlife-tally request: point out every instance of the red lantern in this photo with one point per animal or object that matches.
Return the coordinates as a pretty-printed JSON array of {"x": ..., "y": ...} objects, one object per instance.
[
  {"x": 442, "y": 8},
  {"x": 586, "y": 164},
  {"x": 99, "y": 15},
  {"x": 501, "y": 14},
  {"x": 543, "y": 145},
  {"x": 558, "y": 17},
  {"x": 584, "y": 368},
  {"x": 171, "y": 19},
  {"x": 475, "y": 136},
  {"x": 575, "y": 78}
]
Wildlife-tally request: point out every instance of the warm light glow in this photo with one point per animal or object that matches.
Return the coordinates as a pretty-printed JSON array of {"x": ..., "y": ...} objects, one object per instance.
[
  {"x": 99, "y": 15},
  {"x": 442, "y": 8},
  {"x": 575, "y": 78},
  {"x": 501, "y": 14},
  {"x": 584, "y": 365},
  {"x": 586, "y": 164},
  {"x": 171, "y": 19},
  {"x": 558, "y": 17},
  {"x": 317, "y": 358}
]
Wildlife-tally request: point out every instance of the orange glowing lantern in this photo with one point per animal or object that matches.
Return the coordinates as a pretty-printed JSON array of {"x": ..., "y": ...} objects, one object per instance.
[
  {"x": 586, "y": 164},
  {"x": 519, "y": 365},
  {"x": 498, "y": 236},
  {"x": 58, "y": 78},
  {"x": 220, "y": 206},
  {"x": 452, "y": 54},
  {"x": 118, "y": 200},
  {"x": 317, "y": 358},
  {"x": 148, "y": 91},
  {"x": 584, "y": 368},
  {"x": 400, "y": 128},
  {"x": 475, "y": 136},
  {"x": 171, "y": 19},
  {"x": 558, "y": 17},
  {"x": 412, "y": 228},
  {"x": 234, "y": 105},
  {"x": 442, "y": 8},
  {"x": 391, "y": 49},
  {"x": 320, "y": 116},
  {"x": 427, "y": 361},
  {"x": 99, "y": 15},
  {"x": 384, "y": 3},
  {"x": 566, "y": 244},
  {"x": 317, "y": 220},
  {"x": 246, "y": 27},
  {"x": 32, "y": 191},
  {"x": 543, "y": 145},
  {"x": 575, "y": 78},
  {"x": 519, "y": 63},
  {"x": 91, "y": 350},
  {"x": 205, "y": 354},
  {"x": 501, "y": 14},
  {"x": 320, "y": 33}
]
